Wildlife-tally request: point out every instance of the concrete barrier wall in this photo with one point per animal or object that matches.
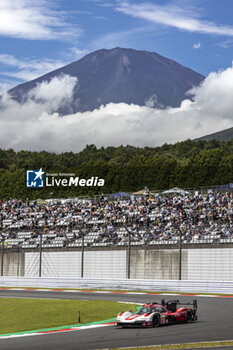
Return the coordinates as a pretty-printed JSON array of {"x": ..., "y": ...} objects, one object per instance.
[
  {"x": 54, "y": 264},
  {"x": 105, "y": 264},
  {"x": 97, "y": 263},
  {"x": 121, "y": 284},
  {"x": 209, "y": 264},
  {"x": 157, "y": 264},
  {"x": 214, "y": 264},
  {"x": 13, "y": 264}
]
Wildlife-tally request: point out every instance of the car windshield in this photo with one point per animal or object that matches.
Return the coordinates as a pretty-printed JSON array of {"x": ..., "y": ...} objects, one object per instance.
[{"x": 148, "y": 309}]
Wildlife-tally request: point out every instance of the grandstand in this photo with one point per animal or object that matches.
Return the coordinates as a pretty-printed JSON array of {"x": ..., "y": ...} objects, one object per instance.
[{"x": 140, "y": 221}]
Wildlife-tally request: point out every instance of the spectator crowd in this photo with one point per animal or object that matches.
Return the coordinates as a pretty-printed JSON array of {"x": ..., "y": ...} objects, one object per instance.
[{"x": 148, "y": 219}]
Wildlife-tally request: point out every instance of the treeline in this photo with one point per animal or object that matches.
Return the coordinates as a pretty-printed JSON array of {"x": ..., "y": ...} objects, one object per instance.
[{"x": 126, "y": 168}]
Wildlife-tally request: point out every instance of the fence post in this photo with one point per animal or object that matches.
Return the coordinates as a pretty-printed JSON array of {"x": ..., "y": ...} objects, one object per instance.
[
  {"x": 40, "y": 249},
  {"x": 2, "y": 257},
  {"x": 18, "y": 263},
  {"x": 129, "y": 250},
  {"x": 180, "y": 255},
  {"x": 82, "y": 257}
]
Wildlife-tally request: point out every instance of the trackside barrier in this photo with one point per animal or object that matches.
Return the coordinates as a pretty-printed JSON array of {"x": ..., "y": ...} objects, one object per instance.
[{"x": 121, "y": 284}]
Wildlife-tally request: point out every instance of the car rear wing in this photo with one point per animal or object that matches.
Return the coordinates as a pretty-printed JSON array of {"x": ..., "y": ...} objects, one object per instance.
[{"x": 177, "y": 302}]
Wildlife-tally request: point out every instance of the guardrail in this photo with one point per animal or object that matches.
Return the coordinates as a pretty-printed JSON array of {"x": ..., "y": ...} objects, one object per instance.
[{"x": 121, "y": 284}]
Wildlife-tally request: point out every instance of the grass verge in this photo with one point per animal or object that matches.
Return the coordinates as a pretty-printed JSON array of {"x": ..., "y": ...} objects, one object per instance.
[
  {"x": 29, "y": 314},
  {"x": 211, "y": 345}
]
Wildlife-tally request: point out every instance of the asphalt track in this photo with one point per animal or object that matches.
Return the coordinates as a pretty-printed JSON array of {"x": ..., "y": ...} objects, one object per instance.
[{"x": 215, "y": 323}]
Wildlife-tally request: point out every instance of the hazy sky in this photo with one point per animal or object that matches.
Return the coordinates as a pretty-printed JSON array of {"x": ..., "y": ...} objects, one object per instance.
[{"x": 39, "y": 36}]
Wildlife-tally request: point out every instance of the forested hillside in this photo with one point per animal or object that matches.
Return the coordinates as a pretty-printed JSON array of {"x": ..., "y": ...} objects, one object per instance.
[{"x": 185, "y": 164}]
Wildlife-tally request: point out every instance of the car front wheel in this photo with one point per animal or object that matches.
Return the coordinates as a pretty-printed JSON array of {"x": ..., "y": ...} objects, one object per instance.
[{"x": 156, "y": 321}]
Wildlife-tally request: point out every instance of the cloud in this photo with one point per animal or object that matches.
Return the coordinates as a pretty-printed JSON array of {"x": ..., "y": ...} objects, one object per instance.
[
  {"x": 120, "y": 38},
  {"x": 225, "y": 44},
  {"x": 184, "y": 18},
  {"x": 54, "y": 94},
  {"x": 6, "y": 85},
  {"x": 35, "y": 126},
  {"x": 26, "y": 19},
  {"x": 28, "y": 69},
  {"x": 103, "y": 3},
  {"x": 196, "y": 45},
  {"x": 78, "y": 53}
]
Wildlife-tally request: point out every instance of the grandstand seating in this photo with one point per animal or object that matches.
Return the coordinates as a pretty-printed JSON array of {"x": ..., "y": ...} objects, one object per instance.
[{"x": 149, "y": 221}]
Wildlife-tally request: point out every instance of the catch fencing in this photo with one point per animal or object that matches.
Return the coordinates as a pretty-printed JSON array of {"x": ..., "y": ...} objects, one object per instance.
[{"x": 197, "y": 261}]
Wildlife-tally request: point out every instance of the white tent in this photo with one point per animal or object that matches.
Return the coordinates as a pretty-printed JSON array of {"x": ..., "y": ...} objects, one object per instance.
[
  {"x": 176, "y": 190},
  {"x": 143, "y": 193}
]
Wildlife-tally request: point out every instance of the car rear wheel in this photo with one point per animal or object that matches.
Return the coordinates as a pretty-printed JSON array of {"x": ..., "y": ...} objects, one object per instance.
[
  {"x": 156, "y": 321},
  {"x": 189, "y": 316}
]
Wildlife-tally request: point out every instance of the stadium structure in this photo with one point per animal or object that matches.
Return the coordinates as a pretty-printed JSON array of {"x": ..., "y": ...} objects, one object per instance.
[{"x": 162, "y": 236}]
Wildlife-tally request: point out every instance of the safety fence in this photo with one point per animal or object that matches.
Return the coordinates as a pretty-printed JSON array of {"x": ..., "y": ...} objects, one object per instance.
[{"x": 213, "y": 262}]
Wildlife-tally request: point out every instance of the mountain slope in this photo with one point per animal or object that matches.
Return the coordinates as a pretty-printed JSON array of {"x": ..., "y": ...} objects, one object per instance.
[
  {"x": 223, "y": 135},
  {"x": 121, "y": 75}
]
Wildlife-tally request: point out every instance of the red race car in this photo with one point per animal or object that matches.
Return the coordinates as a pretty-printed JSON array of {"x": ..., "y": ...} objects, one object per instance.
[{"x": 155, "y": 314}]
